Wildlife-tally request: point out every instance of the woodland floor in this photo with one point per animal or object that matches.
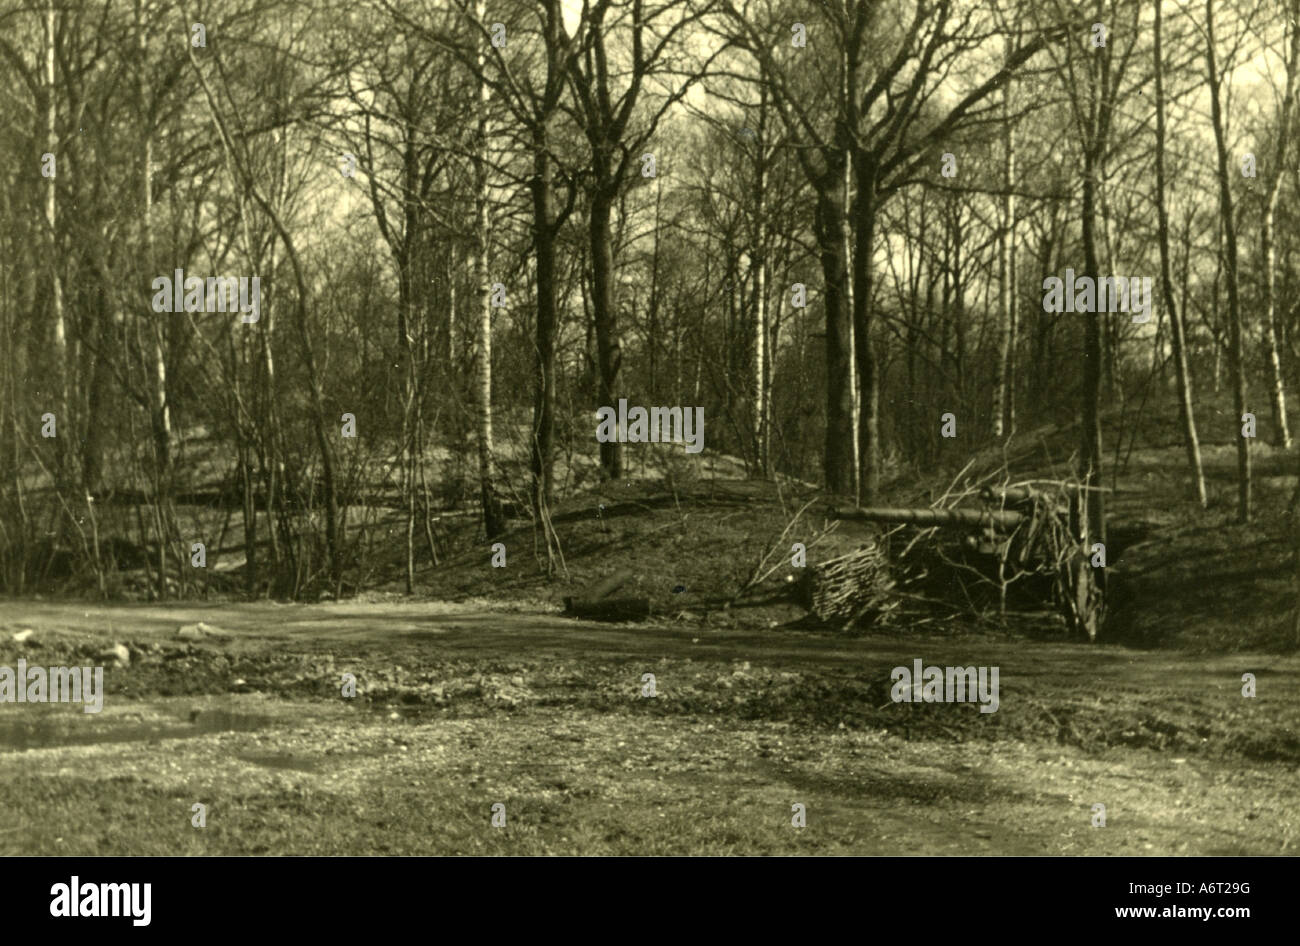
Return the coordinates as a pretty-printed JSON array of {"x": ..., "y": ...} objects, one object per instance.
[{"x": 473, "y": 699}]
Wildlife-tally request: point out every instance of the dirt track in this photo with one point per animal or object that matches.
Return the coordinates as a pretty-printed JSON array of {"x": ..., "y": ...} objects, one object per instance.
[{"x": 459, "y": 708}]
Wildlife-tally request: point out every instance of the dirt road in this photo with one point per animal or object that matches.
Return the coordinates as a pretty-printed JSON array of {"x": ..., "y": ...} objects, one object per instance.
[{"x": 459, "y": 708}]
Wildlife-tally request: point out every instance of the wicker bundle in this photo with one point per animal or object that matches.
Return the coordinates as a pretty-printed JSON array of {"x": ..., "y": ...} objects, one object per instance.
[{"x": 851, "y": 587}]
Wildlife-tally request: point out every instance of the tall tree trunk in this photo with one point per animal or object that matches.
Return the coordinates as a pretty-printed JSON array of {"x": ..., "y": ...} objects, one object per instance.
[
  {"x": 656, "y": 299},
  {"x": 492, "y": 518},
  {"x": 1230, "y": 271},
  {"x": 958, "y": 318},
  {"x": 864, "y": 353},
  {"x": 239, "y": 165},
  {"x": 449, "y": 349},
  {"x": 60, "y": 396},
  {"x": 544, "y": 231},
  {"x": 406, "y": 319},
  {"x": 760, "y": 365},
  {"x": 609, "y": 350},
  {"x": 1003, "y": 408},
  {"x": 98, "y": 402},
  {"x": 1090, "y": 444},
  {"x": 60, "y": 381},
  {"x": 758, "y": 267},
  {"x": 1186, "y": 416},
  {"x": 248, "y": 496},
  {"x": 1268, "y": 253},
  {"x": 160, "y": 410},
  {"x": 274, "y": 469},
  {"x": 840, "y": 430}
]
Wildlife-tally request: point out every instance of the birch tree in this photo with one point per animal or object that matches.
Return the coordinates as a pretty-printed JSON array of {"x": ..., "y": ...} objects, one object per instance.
[{"x": 1267, "y": 253}]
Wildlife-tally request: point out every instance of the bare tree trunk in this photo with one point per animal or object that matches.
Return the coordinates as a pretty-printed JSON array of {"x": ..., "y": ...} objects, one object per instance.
[
  {"x": 1013, "y": 326},
  {"x": 758, "y": 266},
  {"x": 51, "y": 231},
  {"x": 99, "y": 397},
  {"x": 62, "y": 367},
  {"x": 449, "y": 348},
  {"x": 546, "y": 227},
  {"x": 1268, "y": 253},
  {"x": 770, "y": 348},
  {"x": 403, "y": 247},
  {"x": 858, "y": 346},
  {"x": 160, "y": 411},
  {"x": 1176, "y": 327},
  {"x": 492, "y": 522},
  {"x": 1090, "y": 445},
  {"x": 1230, "y": 264},
  {"x": 274, "y": 462},
  {"x": 609, "y": 348},
  {"x": 544, "y": 230},
  {"x": 332, "y": 535},
  {"x": 840, "y": 430},
  {"x": 249, "y": 504},
  {"x": 1002, "y": 393},
  {"x": 760, "y": 365},
  {"x": 957, "y": 385}
]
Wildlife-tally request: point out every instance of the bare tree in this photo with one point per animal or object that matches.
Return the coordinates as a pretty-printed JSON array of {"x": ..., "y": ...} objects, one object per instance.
[
  {"x": 1094, "y": 68},
  {"x": 1186, "y": 415},
  {"x": 606, "y": 113},
  {"x": 538, "y": 111},
  {"x": 881, "y": 134},
  {"x": 1267, "y": 224},
  {"x": 1004, "y": 407},
  {"x": 1229, "y": 256},
  {"x": 240, "y": 163}
]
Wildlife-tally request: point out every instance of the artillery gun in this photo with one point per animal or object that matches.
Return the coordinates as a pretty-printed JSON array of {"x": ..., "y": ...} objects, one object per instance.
[{"x": 1025, "y": 531}]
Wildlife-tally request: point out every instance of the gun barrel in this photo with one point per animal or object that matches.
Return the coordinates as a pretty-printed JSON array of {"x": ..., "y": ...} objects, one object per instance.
[{"x": 965, "y": 518}]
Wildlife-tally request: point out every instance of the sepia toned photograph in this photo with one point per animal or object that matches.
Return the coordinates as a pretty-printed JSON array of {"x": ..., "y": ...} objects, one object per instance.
[{"x": 635, "y": 428}]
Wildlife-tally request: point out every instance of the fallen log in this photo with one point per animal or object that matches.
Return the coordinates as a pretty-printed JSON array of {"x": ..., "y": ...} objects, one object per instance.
[
  {"x": 607, "y": 586},
  {"x": 608, "y": 609}
]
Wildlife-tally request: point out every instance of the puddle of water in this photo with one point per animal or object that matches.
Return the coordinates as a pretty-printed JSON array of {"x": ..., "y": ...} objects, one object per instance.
[{"x": 50, "y": 729}]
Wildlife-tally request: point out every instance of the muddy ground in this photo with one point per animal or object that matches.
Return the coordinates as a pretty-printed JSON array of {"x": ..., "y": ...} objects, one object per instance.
[{"x": 462, "y": 707}]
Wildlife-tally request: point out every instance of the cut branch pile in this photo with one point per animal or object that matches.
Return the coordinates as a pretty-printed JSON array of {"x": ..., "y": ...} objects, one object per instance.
[
  {"x": 853, "y": 588},
  {"x": 1020, "y": 531}
]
